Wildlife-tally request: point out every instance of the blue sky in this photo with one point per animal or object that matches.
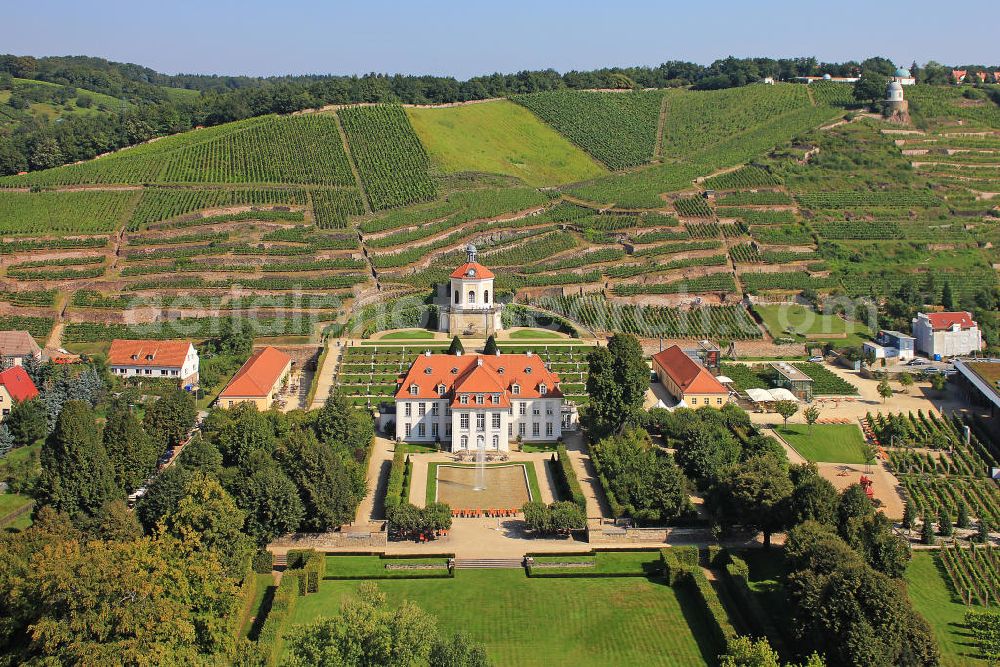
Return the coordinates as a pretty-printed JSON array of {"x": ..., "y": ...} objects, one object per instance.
[{"x": 264, "y": 37}]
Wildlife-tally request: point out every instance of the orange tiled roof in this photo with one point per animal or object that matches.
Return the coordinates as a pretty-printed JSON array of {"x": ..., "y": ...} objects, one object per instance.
[
  {"x": 959, "y": 74},
  {"x": 941, "y": 321},
  {"x": 18, "y": 344},
  {"x": 18, "y": 384},
  {"x": 479, "y": 374},
  {"x": 158, "y": 353},
  {"x": 689, "y": 375},
  {"x": 463, "y": 271},
  {"x": 258, "y": 375}
]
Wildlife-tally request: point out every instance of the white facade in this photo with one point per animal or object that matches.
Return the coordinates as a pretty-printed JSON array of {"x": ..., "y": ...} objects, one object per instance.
[
  {"x": 952, "y": 341},
  {"x": 187, "y": 370},
  {"x": 471, "y": 307}
]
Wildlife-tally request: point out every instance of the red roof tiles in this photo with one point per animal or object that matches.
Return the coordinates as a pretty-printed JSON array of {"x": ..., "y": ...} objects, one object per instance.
[
  {"x": 481, "y": 272},
  {"x": 944, "y": 321},
  {"x": 18, "y": 384},
  {"x": 258, "y": 375},
  {"x": 157, "y": 353},
  {"x": 474, "y": 374},
  {"x": 689, "y": 375}
]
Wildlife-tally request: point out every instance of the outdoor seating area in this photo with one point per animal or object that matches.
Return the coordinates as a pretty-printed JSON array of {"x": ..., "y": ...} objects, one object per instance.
[{"x": 484, "y": 514}]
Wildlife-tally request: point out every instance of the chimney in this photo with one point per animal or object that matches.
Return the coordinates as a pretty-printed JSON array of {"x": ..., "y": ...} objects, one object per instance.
[
  {"x": 427, "y": 353},
  {"x": 479, "y": 361},
  {"x": 529, "y": 353},
  {"x": 458, "y": 353},
  {"x": 497, "y": 353}
]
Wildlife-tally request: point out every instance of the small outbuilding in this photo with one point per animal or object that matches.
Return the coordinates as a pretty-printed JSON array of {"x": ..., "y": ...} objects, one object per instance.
[{"x": 795, "y": 381}]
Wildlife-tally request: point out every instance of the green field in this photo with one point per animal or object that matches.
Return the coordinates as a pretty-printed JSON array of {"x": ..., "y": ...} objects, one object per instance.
[
  {"x": 931, "y": 597},
  {"x": 801, "y": 322},
  {"x": 409, "y": 334},
  {"x": 547, "y": 622},
  {"x": 12, "y": 501},
  {"x": 500, "y": 138},
  {"x": 533, "y": 334},
  {"x": 826, "y": 443}
]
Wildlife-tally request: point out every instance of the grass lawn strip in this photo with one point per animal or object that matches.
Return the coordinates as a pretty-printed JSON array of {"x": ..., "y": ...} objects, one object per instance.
[
  {"x": 525, "y": 621},
  {"x": 374, "y": 567},
  {"x": 826, "y": 443},
  {"x": 931, "y": 596},
  {"x": 409, "y": 334}
]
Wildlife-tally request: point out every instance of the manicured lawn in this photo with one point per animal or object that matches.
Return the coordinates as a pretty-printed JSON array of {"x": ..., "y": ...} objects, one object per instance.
[
  {"x": 534, "y": 333},
  {"x": 646, "y": 563},
  {"x": 500, "y": 138},
  {"x": 534, "y": 447},
  {"x": 826, "y": 443},
  {"x": 374, "y": 566},
  {"x": 409, "y": 334},
  {"x": 931, "y": 597},
  {"x": 415, "y": 448},
  {"x": 522, "y": 621},
  {"x": 261, "y": 583},
  {"x": 798, "y": 321}
]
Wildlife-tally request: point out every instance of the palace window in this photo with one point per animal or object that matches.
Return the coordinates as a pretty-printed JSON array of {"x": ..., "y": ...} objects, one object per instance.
[
  {"x": 434, "y": 429},
  {"x": 421, "y": 430},
  {"x": 534, "y": 429},
  {"x": 481, "y": 422},
  {"x": 496, "y": 442},
  {"x": 523, "y": 409},
  {"x": 520, "y": 428},
  {"x": 408, "y": 409},
  {"x": 496, "y": 420},
  {"x": 465, "y": 442},
  {"x": 458, "y": 298},
  {"x": 447, "y": 430},
  {"x": 435, "y": 409},
  {"x": 510, "y": 430},
  {"x": 486, "y": 296},
  {"x": 406, "y": 430},
  {"x": 463, "y": 421},
  {"x": 548, "y": 429},
  {"x": 421, "y": 409},
  {"x": 472, "y": 296}
]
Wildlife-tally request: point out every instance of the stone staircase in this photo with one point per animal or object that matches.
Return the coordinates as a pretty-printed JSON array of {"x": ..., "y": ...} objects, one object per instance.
[{"x": 488, "y": 563}]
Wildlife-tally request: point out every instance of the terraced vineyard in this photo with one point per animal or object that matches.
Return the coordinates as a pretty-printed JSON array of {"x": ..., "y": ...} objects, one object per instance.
[
  {"x": 619, "y": 129},
  {"x": 351, "y": 205}
]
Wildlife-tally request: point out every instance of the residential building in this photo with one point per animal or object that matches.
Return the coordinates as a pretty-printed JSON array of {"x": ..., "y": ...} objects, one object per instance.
[
  {"x": 16, "y": 346},
  {"x": 947, "y": 334},
  {"x": 979, "y": 383},
  {"x": 15, "y": 386},
  {"x": 892, "y": 345},
  {"x": 958, "y": 75},
  {"x": 791, "y": 378},
  {"x": 176, "y": 360},
  {"x": 690, "y": 383},
  {"x": 259, "y": 380},
  {"x": 470, "y": 308},
  {"x": 471, "y": 402}
]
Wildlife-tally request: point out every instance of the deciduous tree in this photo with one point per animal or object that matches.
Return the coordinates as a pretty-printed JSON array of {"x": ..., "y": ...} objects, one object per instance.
[
  {"x": 169, "y": 419},
  {"x": 132, "y": 452}
]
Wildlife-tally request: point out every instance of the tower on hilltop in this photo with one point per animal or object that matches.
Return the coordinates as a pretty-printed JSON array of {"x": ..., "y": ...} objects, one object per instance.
[{"x": 471, "y": 308}]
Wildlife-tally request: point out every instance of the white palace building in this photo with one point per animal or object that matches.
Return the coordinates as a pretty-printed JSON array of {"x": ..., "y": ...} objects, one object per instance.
[{"x": 476, "y": 401}]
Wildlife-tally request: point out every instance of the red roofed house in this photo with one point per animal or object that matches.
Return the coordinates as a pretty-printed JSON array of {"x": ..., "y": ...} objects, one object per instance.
[
  {"x": 959, "y": 75},
  {"x": 470, "y": 309},
  {"x": 479, "y": 401},
  {"x": 15, "y": 386},
  {"x": 947, "y": 334},
  {"x": 687, "y": 380},
  {"x": 173, "y": 359},
  {"x": 259, "y": 380}
]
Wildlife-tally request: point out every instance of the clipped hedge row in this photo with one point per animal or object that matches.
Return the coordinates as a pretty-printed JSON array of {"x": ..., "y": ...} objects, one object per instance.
[
  {"x": 397, "y": 473},
  {"x": 307, "y": 567},
  {"x": 273, "y": 628},
  {"x": 566, "y": 480},
  {"x": 736, "y": 575},
  {"x": 718, "y": 620}
]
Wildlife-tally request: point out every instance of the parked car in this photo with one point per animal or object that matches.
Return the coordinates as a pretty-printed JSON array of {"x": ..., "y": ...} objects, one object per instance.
[
  {"x": 816, "y": 360},
  {"x": 917, "y": 362}
]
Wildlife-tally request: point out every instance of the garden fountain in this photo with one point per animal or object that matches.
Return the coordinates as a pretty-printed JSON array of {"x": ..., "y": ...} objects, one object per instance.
[{"x": 480, "y": 466}]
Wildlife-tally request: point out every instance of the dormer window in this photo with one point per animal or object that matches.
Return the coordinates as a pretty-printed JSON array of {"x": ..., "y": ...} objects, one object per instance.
[
  {"x": 149, "y": 357},
  {"x": 515, "y": 389},
  {"x": 528, "y": 370},
  {"x": 542, "y": 389},
  {"x": 479, "y": 399},
  {"x": 496, "y": 399},
  {"x": 414, "y": 389},
  {"x": 428, "y": 371},
  {"x": 464, "y": 400},
  {"x": 454, "y": 371},
  {"x": 441, "y": 390},
  {"x": 135, "y": 357},
  {"x": 500, "y": 371}
]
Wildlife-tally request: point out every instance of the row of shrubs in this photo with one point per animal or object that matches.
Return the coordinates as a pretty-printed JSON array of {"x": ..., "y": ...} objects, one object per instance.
[
  {"x": 681, "y": 569},
  {"x": 566, "y": 480},
  {"x": 300, "y": 578},
  {"x": 397, "y": 477}
]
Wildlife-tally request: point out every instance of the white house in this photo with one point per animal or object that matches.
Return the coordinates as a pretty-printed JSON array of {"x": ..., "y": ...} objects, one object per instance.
[
  {"x": 471, "y": 307},
  {"x": 947, "y": 334},
  {"x": 470, "y": 402},
  {"x": 173, "y": 359}
]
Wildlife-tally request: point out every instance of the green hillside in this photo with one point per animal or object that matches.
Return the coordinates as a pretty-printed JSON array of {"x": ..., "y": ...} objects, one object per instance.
[
  {"x": 500, "y": 138},
  {"x": 28, "y": 98}
]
